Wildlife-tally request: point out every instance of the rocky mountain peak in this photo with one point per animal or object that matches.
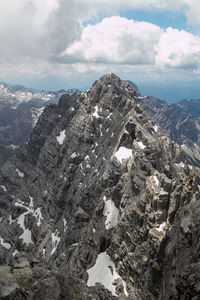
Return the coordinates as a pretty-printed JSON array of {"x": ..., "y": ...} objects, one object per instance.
[{"x": 97, "y": 204}]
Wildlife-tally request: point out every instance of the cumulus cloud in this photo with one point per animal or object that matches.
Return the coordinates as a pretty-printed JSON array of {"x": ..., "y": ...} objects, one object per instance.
[
  {"x": 45, "y": 37},
  {"x": 118, "y": 40},
  {"x": 179, "y": 49},
  {"x": 38, "y": 28},
  {"x": 193, "y": 13}
]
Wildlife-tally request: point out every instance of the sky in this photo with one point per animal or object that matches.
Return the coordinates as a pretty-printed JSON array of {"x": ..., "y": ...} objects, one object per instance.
[{"x": 55, "y": 44}]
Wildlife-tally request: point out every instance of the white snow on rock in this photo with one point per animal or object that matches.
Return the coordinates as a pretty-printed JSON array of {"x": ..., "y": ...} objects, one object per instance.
[
  {"x": 190, "y": 167},
  {"x": 65, "y": 224},
  {"x": 36, "y": 113},
  {"x": 180, "y": 165},
  {"x": 104, "y": 272},
  {"x": 20, "y": 173},
  {"x": 156, "y": 180},
  {"x": 161, "y": 227},
  {"x": 55, "y": 241},
  {"x": 141, "y": 145},
  {"x": 12, "y": 146},
  {"x": 95, "y": 114},
  {"x": 26, "y": 235},
  {"x": 155, "y": 128},
  {"x": 100, "y": 129},
  {"x": 111, "y": 212},
  {"x": 74, "y": 155},
  {"x": 38, "y": 215},
  {"x": 123, "y": 153},
  {"x": 3, "y": 187},
  {"x": 4, "y": 244},
  {"x": 15, "y": 252},
  {"x": 108, "y": 117},
  {"x": 31, "y": 202},
  {"x": 60, "y": 138}
]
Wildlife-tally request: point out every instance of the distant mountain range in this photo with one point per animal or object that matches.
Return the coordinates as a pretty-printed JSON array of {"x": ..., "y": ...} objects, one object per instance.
[
  {"x": 20, "y": 109},
  {"x": 99, "y": 204},
  {"x": 181, "y": 121}
]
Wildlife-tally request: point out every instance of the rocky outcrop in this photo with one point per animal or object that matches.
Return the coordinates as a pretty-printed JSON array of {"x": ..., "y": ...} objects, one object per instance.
[
  {"x": 20, "y": 109},
  {"x": 178, "y": 122},
  {"x": 99, "y": 205}
]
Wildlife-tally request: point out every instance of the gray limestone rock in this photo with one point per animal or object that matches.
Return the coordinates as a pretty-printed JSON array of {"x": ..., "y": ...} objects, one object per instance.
[{"x": 107, "y": 208}]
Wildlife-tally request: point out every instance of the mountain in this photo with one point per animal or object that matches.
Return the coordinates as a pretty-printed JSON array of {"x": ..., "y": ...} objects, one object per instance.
[
  {"x": 178, "y": 122},
  {"x": 99, "y": 204},
  {"x": 190, "y": 106},
  {"x": 20, "y": 109}
]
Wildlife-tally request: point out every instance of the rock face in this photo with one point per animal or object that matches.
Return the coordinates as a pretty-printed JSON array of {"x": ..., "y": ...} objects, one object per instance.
[
  {"x": 179, "y": 122},
  {"x": 20, "y": 109},
  {"x": 190, "y": 106},
  {"x": 99, "y": 205}
]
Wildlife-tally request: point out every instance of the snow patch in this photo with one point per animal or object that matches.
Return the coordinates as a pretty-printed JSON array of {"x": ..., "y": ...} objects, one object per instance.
[
  {"x": 190, "y": 167},
  {"x": 180, "y": 165},
  {"x": 38, "y": 215},
  {"x": 141, "y": 145},
  {"x": 21, "y": 174},
  {"x": 74, "y": 155},
  {"x": 3, "y": 187},
  {"x": 65, "y": 224},
  {"x": 15, "y": 252},
  {"x": 31, "y": 202},
  {"x": 55, "y": 240},
  {"x": 123, "y": 153},
  {"x": 104, "y": 272},
  {"x": 100, "y": 128},
  {"x": 26, "y": 236},
  {"x": 108, "y": 117},
  {"x": 4, "y": 244},
  {"x": 156, "y": 180},
  {"x": 95, "y": 114},
  {"x": 60, "y": 138},
  {"x": 111, "y": 212},
  {"x": 161, "y": 227},
  {"x": 13, "y": 146},
  {"x": 155, "y": 128}
]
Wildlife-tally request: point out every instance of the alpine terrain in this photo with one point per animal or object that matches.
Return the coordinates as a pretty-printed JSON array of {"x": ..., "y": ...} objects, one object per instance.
[
  {"x": 20, "y": 109},
  {"x": 181, "y": 121},
  {"x": 99, "y": 205}
]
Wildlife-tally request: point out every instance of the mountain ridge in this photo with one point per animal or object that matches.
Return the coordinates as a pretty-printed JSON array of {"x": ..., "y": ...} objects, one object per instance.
[{"x": 98, "y": 182}]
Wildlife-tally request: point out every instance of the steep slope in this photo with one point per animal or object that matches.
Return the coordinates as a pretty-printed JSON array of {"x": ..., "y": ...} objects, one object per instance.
[
  {"x": 20, "y": 109},
  {"x": 181, "y": 127},
  {"x": 190, "y": 106},
  {"x": 99, "y": 196}
]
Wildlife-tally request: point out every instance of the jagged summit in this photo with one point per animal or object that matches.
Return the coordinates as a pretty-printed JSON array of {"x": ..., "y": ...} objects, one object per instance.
[{"x": 98, "y": 204}]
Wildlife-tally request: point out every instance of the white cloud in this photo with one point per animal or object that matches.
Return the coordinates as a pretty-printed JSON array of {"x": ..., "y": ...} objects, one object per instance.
[
  {"x": 193, "y": 13},
  {"x": 116, "y": 40},
  {"x": 37, "y": 28},
  {"x": 34, "y": 34},
  {"x": 179, "y": 49}
]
